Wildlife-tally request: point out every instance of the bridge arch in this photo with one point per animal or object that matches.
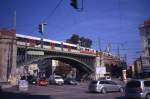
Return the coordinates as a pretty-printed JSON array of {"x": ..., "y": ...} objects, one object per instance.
[{"x": 72, "y": 61}]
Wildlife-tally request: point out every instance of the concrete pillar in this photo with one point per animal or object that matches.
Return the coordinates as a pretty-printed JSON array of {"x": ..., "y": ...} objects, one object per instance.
[
  {"x": 99, "y": 66},
  {"x": 8, "y": 53}
]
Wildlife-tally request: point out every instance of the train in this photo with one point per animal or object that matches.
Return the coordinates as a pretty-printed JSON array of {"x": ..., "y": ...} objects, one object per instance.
[{"x": 30, "y": 41}]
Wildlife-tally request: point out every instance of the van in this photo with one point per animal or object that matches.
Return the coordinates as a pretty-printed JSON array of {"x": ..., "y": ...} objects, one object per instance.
[{"x": 138, "y": 88}]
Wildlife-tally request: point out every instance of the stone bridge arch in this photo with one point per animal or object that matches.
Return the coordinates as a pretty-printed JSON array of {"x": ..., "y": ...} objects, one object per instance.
[{"x": 72, "y": 61}]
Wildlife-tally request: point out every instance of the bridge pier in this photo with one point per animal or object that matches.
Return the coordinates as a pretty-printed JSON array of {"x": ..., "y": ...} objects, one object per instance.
[{"x": 8, "y": 54}]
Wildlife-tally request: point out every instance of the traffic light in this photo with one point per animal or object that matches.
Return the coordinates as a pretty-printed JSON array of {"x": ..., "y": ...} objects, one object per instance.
[
  {"x": 41, "y": 28},
  {"x": 74, "y": 4}
]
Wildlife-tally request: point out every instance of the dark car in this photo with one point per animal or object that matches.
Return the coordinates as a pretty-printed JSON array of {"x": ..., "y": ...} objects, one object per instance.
[
  {"x": 138, "y": 88},
  {"x": 70, "y": 81},
  {"x": 42, "y": 81},
  {"x": 32, "y": 80}
]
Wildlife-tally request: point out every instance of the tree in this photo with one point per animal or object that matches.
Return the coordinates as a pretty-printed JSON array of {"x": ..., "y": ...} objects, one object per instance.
[
  {"x": 85, "y": 42},
  {"x": 74, "y": 39}
]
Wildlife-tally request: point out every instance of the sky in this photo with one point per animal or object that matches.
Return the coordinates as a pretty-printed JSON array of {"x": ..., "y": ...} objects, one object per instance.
[{"x": 114, "y": 22}]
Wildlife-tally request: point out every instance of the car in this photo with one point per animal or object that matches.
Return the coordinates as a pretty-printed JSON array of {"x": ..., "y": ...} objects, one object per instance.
[
  {"x": 104, "y": 86},
  {"x": 32, "y": 80},
  {"x": 107, "y": 78},
  {"x": 70, "y": 81},
  {"x": 42, "y": 81},
  {"x": 56, "y": 79},
  {"x": 138, "y": 88}
]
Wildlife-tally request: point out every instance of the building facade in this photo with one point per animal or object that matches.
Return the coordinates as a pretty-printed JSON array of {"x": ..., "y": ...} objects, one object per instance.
[{"x": 145, "y": 37}]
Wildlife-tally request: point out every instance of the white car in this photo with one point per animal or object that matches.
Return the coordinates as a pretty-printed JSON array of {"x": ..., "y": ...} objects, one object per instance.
[
  {"x": 107, "y": 78},
  {"x": 56, "y": 79}
]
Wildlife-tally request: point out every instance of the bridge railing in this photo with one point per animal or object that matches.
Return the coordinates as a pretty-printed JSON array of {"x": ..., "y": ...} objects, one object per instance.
[{"x": 60, "y": 48}]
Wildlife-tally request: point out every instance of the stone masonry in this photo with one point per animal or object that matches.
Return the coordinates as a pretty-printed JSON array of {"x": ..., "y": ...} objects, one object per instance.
[{"x": 8, "y": 54}]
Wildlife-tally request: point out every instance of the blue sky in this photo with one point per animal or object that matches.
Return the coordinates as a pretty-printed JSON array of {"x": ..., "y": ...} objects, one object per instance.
[{"x": 115, "y": 21}]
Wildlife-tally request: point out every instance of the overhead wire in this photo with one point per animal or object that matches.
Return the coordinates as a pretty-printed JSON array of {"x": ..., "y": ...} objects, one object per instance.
[
  {"x": 49, "y": 15},
  {"x": 53, "y": 11}
]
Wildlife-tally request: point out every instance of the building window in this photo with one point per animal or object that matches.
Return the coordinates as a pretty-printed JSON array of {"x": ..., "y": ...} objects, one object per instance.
[
  {"x": 148, "y": 60},
  {"x": 147, "y": 33},
  {"x": 148, "y": 41},
  {"x": 149, "y": 51}
]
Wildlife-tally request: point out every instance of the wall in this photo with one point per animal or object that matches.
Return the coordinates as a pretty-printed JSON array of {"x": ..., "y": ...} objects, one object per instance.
[{"x": 7, "y": 55}]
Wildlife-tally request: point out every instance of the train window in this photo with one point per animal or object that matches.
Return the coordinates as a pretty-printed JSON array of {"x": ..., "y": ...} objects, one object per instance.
[
  {"x": 73, "y": 47},
  {"x": 38, "y": 42},
  {"x": 57, "y": 45},
  {"x": 46, "y": 43}
]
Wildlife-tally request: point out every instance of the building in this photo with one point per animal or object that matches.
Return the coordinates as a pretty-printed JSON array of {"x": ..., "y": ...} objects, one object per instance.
[
  {"x": 108, "y": 64},
  {"x": 137, "y": 68},
  {"x": 145, "y": 37}
]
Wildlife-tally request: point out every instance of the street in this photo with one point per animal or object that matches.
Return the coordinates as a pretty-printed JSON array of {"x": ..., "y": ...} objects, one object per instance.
[{"x": 59, "y": 92}]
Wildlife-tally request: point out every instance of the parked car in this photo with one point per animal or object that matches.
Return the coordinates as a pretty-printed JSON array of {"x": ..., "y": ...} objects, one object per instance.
[
  {"x": 107, "y": 78},
  {"x": 137, "y": 88},
  {"x": 70, "y": 81},
  {"x": 42, "y": 81},
  {"x": 32, "y": 80},
  {"x": 56, "y": 79},
  {"x": 104, "y": 86}
]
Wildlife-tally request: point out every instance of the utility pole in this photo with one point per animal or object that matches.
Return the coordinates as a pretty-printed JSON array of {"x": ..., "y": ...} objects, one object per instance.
[
  {"x": 41, "y": 30},
  {"x": 14, "y": 20},
  {"x": 125, "y": 59},
  {"x": 118, "y": 50},
  {"x": 74, "y": 4},
  {"x": 99, "y": 44},
  {"x": 141, "y": 61},
  {"x": 26, "y": 47}
]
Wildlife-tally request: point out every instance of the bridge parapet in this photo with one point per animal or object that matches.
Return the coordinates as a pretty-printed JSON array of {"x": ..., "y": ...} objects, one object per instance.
[{"x": 27, "y": 55}]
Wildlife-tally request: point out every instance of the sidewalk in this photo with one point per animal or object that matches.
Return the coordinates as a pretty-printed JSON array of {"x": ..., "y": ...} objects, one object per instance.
[{"x": 4, "y": 85}]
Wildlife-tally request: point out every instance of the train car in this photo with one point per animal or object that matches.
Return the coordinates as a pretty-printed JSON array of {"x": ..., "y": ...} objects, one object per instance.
[
  {"x": 31, "y": 41},
  {"x": 87, "y": 50}
]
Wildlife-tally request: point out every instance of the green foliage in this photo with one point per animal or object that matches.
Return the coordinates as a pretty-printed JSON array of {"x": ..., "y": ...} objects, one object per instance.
[{"x": 82, "y": 41}]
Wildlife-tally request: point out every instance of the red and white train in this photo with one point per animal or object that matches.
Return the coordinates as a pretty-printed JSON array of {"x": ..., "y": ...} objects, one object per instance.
[{"x": 31, "y": 41}]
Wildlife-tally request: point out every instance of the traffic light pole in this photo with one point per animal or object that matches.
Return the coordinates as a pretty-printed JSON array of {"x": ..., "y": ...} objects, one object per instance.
[
  {"x": 74, "y": 4},
  {"x": 41, "y": 30},
  {"x": 42, "y": 40}
]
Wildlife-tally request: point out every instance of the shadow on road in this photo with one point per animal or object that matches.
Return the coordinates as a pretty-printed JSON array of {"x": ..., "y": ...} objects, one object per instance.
[
  {"x": 10, "y": 95},
  {"x": 121, "y": 97}
]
